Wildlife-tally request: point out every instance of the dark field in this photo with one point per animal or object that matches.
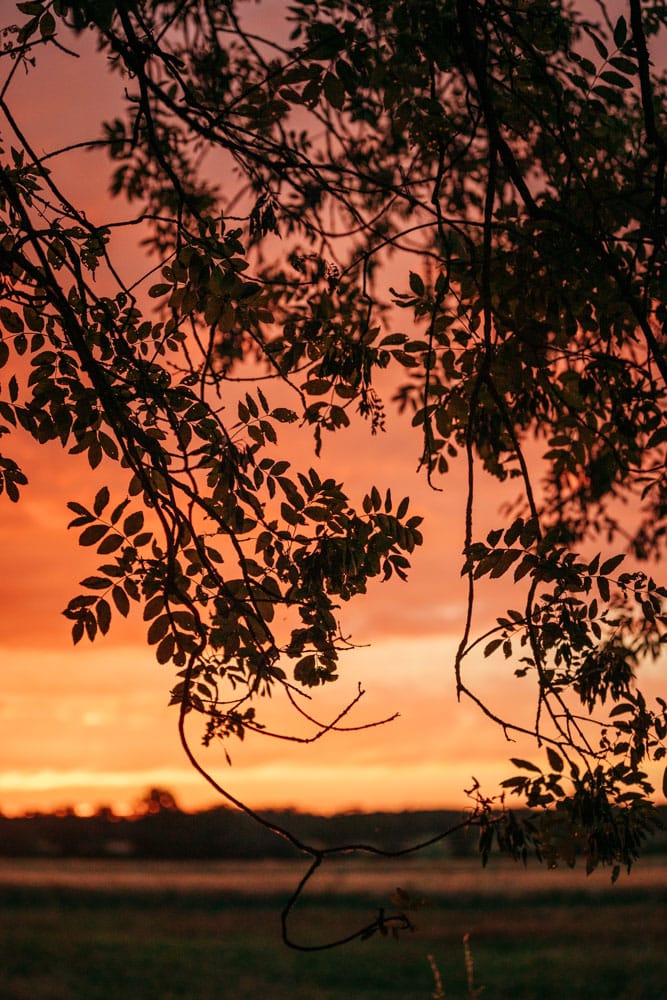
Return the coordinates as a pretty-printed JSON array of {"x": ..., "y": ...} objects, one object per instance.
[{"x": 540, "y": 939}]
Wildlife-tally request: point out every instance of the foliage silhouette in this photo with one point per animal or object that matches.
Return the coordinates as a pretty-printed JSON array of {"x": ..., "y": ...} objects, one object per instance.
[{"x": 509, "y": 161}]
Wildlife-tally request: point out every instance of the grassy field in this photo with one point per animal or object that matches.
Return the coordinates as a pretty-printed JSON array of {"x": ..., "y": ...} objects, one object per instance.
[{"x": 60, "y": 943}]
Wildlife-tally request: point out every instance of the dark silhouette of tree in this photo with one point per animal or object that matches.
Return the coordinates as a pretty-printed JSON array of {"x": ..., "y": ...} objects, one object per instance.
[
  {"x": 155, "y": 802},
  {"x": 509, "y": 161}
]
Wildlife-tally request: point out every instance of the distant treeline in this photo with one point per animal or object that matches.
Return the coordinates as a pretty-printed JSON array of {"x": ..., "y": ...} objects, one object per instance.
[
  {"x": 217, "y": 834},
  {"x": 220, "y": 833}
]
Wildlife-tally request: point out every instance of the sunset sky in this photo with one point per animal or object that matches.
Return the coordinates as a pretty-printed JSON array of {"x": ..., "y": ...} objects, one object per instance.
[{"x": 90, "y": 725}]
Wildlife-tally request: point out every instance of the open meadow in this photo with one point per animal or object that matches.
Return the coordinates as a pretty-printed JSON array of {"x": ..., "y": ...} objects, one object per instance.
[{"x": 161, "y": 931}]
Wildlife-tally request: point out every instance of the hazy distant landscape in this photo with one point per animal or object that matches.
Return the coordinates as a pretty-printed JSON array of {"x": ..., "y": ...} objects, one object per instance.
[
  {"x": 159, "y": 829},
  {"x": 167, "y": 905}
]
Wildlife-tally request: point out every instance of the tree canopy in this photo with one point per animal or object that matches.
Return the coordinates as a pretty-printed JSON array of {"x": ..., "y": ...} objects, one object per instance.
[{"x": 507, "y": 162}]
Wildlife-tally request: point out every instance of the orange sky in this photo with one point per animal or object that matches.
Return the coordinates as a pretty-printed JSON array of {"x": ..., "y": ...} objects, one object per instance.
[{"x": 90, "y": 725}]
